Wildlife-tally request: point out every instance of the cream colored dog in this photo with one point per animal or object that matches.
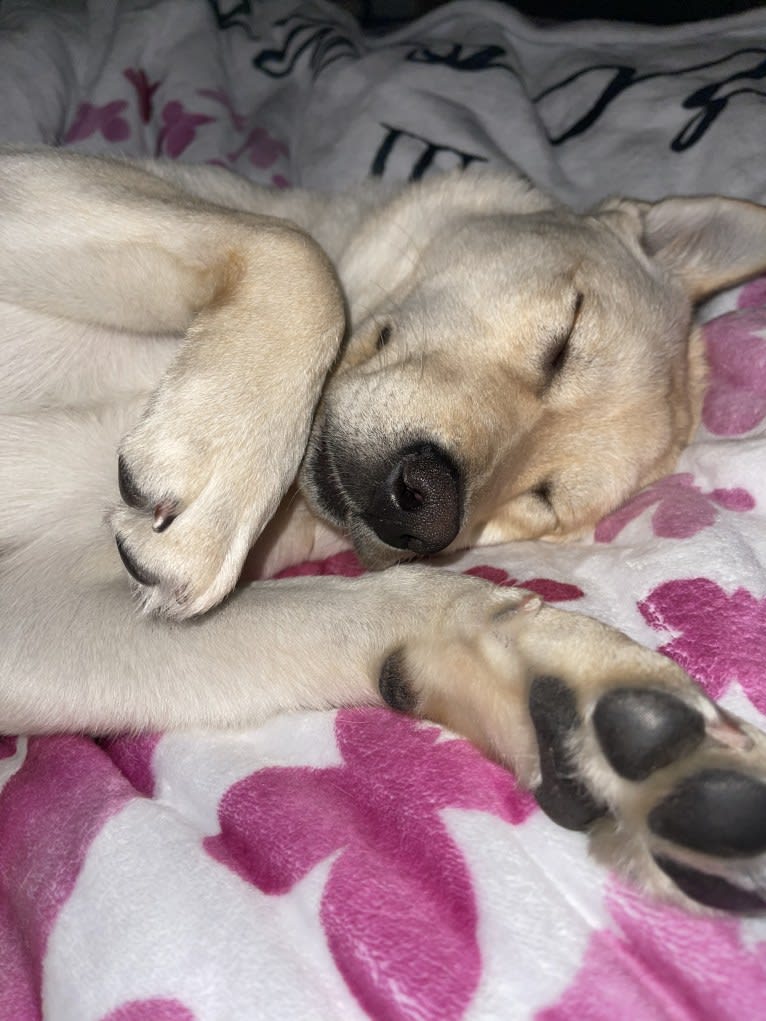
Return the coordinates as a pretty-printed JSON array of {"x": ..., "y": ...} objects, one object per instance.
[{"x": 511, "y": 370}]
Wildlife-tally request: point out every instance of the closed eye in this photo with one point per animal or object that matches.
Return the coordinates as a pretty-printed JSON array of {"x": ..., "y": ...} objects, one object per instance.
[
  {"x": 542, "y": 492},
  {"x": 558, "y": 352},
  {"x": 384, "y": 335}
]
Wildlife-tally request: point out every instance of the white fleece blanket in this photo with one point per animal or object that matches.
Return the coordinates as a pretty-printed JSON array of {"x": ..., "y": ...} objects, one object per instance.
[{"x": 355, "y": 864}]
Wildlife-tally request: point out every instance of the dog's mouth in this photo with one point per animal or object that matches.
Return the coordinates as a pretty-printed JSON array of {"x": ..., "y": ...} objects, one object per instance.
[
  {"x": 395, "y": 507},
  {"x": 321, "y": 483}
]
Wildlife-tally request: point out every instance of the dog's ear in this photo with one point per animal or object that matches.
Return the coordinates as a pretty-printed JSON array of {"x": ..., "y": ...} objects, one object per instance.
[
  {"x": 709, "y": 243},
  {"x": 385, "y": 253}
]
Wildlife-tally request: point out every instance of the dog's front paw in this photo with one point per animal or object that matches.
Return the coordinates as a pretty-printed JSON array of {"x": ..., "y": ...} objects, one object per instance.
[
  {"x": 677, "y": 785},
  {"x": 197, "y": 486},
  {"x": 183, "y": 555},
  {"x": 611, "y": 738}
]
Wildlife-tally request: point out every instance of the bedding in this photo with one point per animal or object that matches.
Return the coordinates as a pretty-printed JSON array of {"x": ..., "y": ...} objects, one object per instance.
[{"x": 357, "y": 864}]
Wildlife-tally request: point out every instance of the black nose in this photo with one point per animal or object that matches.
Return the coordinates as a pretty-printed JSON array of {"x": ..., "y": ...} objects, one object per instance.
[{"x": 418, "y": 505}]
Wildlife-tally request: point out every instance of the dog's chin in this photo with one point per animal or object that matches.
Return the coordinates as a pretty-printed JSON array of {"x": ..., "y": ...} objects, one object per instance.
[
  {"x": 372, "y": 551},
  {"x": 374, "y": 554}
]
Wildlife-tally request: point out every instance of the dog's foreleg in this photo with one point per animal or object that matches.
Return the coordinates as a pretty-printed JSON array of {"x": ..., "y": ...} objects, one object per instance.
[
  {"x": 612, "y": 738},
  {"x": 223, "y": 435},
  {"x": 261, "y": 313},
  {"x": 77, "y": 655}
]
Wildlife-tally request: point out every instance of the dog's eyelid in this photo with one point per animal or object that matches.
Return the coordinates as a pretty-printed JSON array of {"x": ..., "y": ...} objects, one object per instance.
[
  {"x": 384, "y": 335},
  {"x": 543, "y": 492},
  {"x": 559, "y": 350}
]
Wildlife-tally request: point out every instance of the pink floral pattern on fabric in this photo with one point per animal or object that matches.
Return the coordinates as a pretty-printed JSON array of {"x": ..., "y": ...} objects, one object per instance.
[
  {"x": 682, "y": 509},
  {"x": 661, "y": 963},
  {"x": 151, "y": 1010},
  {"x": 398, "y": 908},
  {"x": 753, "y": 295},
  {"x": 178, "y": 125},
  {"x": 145, "y": 90},
  {"x": 546, "y": 588},
  {"x": 7, "y": 747},
  {"x": 50, "y": 811},
  {"x": 107, "y": 120},
  {"x": 719, "y": 637},
  {"x": 735, "y": 401},
  {"x": 347, "y": 564},
  {"x": 132, "y": 755},
  {"x": 179, "y": 129},
  {"x": 263, "y": 149},
  {"x": 238, "y": 122}
]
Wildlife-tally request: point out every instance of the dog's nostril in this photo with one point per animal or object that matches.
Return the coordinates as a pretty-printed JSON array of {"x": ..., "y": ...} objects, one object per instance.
[
  {"x": 407, "y": 490},
  {"x": 418, "y": 506}
]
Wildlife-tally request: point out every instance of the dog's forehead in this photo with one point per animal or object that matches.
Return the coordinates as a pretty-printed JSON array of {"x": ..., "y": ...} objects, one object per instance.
[
  {"x": 507, "y": 261},
  {"x": 555, "y": 235}
]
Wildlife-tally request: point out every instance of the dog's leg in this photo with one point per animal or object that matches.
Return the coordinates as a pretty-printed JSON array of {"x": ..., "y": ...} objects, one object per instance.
[
  {"x": 610, "y": 736},
  {"x": 223, "y": 435},
  {"x": 77, "y": 656},
  {"x": 262, "y": 315}
]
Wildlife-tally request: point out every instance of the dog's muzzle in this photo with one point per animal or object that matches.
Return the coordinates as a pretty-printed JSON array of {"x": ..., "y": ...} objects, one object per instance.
[{"x": 410, "y": 500}]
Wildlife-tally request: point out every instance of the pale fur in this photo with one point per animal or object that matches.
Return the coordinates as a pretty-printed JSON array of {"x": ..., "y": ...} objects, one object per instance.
[{"x": 175, "y": 314}]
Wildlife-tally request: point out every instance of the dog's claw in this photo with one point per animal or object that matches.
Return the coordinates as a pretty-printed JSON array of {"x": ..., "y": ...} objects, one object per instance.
[
  {"x": 393, "y": 685},
  {"x": 181, "y": 565},
  {"x": 137, "y": 573},
  {"x": 164, "y": 516},
  {"x": 129, "y": 489}
]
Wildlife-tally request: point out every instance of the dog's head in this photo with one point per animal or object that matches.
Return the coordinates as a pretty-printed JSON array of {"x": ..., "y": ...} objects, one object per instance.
[{"x": 515, "y": 370}]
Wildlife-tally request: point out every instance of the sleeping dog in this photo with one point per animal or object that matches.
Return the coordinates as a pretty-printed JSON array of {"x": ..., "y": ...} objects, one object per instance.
[{"x": 454, "y": 362}]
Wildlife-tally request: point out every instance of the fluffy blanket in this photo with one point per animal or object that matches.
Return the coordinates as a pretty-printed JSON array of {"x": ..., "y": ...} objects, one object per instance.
[{"x": 356, "y": 864}]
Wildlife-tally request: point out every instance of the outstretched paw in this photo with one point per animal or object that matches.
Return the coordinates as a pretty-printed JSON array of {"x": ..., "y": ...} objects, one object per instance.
[
  {"x": 612, "y": 738},
  {"x": 698, "y": 811},
  {"x": 679, "y": 784}
]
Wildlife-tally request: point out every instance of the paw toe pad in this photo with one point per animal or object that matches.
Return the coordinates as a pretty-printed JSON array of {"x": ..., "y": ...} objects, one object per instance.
[
  {"x": 555, "y": 717},
  {"x": 641, "y": 730},
  {"x": 712, "y": 891},
  {"x": 717, "y": 812},
  {"x": 393, "y": 685}
]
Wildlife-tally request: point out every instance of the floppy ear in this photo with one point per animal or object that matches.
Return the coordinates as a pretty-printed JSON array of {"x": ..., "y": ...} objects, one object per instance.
[
  {"x": 710, "y": 243},
  {"x": 385, "y": 252}
]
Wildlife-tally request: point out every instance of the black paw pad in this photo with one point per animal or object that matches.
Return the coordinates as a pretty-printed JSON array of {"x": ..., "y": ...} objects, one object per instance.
[
  {"x": 129, "y": 490},
  {"x": 141, "y": 576},
  {"x": 393, "y": 685},
  {"x": 717, "y": 811},
  {"x": 642, "y": 729},
  {"x": 561, "y": 795},
  {"x": 712, "y": 891}
]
